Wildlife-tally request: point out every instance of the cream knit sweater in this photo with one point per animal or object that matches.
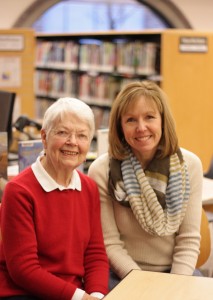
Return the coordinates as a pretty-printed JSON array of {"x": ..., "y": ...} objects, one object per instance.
[{"x": 130, "y": 247}]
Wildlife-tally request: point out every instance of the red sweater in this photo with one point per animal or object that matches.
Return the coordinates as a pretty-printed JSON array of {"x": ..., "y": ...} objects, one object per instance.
[{"x": 51, "y": 241}]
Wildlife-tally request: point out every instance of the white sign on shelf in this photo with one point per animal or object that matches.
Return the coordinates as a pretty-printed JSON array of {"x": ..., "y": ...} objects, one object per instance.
[
  {"x": 11, "y": 42},
  {"x": 192, "y": 44}
]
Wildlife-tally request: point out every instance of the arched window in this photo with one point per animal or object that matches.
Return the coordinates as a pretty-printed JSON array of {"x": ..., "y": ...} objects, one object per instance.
[{"x": 98, "y": 15}]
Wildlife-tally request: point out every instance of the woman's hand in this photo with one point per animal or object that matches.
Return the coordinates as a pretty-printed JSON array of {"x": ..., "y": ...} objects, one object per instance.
[{"x": 88, "y": 297}]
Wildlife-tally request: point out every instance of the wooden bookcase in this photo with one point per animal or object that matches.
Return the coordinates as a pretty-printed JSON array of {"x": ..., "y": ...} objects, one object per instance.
[
  {"x": 187, "y": 80},
  {"x": 17, "y": 63},
  {"x": 90, "y": 66}
]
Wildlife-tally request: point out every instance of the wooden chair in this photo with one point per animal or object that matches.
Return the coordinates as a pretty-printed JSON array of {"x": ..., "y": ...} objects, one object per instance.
[
  {"x": 205, "y": 243},
  {"x": 209, "y": 173}
]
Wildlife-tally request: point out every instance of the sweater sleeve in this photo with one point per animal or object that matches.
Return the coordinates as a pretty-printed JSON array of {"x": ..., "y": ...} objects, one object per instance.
[
  {"x": 120, "y": 261},
  {"x": 95, "y": 258},
  {"x": 187, "y": 240},
  {"x": 20, "y": 248}
]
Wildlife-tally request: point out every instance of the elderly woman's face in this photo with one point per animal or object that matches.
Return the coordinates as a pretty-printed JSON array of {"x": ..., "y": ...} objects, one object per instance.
[
  {"x": 67, "y": 143},
  {"x": 142, "y": 128}
]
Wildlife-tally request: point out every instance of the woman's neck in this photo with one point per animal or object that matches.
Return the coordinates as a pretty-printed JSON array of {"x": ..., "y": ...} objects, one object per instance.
[{"x": 62, "y": 178}]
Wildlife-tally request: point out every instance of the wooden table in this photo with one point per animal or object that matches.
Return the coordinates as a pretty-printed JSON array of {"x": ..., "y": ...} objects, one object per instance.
[{"x": 144, "y": 285}]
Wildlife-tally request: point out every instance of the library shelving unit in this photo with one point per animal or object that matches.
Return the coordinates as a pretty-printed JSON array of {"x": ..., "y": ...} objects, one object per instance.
[
  {"x": 94, "y": 66},
  {"x": 17, "y": 63}
]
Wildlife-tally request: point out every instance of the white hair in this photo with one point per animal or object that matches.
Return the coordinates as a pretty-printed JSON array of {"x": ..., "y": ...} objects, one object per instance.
[{"x": 65, "y": 105}]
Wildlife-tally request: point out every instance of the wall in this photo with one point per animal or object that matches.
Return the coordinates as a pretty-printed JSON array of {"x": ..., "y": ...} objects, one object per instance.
[
  {"x": 198, "y": 12},
  {"x": 11, "y": 10}
]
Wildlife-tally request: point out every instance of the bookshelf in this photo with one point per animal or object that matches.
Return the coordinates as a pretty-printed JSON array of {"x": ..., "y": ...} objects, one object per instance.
[
  {"x": 94, "y": 66},
  {"x": 17, "y": 61}
]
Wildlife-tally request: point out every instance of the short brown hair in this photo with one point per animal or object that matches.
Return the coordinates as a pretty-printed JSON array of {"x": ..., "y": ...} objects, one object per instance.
[{"x": 126, "y": 97}]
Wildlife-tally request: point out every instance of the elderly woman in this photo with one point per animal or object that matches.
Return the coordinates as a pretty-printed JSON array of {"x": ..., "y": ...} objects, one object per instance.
[
  {"x": 52, "y": 244},
  {"x": 150, "y": 188}
]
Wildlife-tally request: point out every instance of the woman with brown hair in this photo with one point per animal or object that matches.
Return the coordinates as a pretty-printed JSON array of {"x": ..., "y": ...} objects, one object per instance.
[{"x": 150, "y": 188}]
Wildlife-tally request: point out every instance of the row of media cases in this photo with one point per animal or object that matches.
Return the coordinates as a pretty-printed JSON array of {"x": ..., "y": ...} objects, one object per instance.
[{"x": 91, "y": 70}]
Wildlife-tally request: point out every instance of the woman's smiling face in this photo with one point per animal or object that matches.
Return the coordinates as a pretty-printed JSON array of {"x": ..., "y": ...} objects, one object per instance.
[
  {"x": 67, "y": 143},
  {"x": 142, "y": 128}
]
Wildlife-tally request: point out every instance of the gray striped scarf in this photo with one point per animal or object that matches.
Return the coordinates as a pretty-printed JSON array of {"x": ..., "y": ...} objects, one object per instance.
[{"x": 158, "y": 196}]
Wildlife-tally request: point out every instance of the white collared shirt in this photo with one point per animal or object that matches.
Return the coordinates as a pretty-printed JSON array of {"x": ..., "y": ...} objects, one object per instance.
[{"x": 48, "y": 183}]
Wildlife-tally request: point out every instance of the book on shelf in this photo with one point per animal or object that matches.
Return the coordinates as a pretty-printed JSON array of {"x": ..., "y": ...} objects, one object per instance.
[
  {"x": 55, "y": 84},
  {"x": 102, "y": 141},
  {"x": 57, "y": 54},
  {"x": 3, "y": 161},
  {"x": 28, "y": 151},
  {"x": 137, "y": 57},
  {"x": 101, "y": 117},
  {"x": 41, "y": 105},
  {"x": 97, "y": 56}
]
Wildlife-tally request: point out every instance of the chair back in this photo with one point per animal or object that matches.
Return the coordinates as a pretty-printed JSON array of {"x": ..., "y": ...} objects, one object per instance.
[
  {"x": 7, "y": 100},
  {"x": 205, "y": 243},
  {"x": 209, "y": 173}
]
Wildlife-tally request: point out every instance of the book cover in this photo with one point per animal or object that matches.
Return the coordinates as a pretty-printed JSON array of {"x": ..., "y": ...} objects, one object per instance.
[
  {"x": 28, "y": 151},
  {"x": 102, "y": 140},
  {"x": 3, "y": 161}
]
